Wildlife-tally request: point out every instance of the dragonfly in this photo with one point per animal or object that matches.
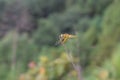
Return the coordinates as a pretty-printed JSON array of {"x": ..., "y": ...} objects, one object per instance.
[{"x": 64, "y": 37}]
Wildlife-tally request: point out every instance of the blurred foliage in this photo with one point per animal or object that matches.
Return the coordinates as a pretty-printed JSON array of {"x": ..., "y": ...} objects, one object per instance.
[
  {"x": 51, "y": 69},
  {"x": 25, "y": 46},
  {"x": 39, "y": 23}
]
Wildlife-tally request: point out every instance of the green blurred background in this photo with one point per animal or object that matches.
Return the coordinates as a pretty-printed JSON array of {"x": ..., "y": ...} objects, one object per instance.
[{"x": 29, "y": 30}]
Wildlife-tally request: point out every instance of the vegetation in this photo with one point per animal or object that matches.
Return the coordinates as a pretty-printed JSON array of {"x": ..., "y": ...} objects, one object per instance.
[{"x": 29, "y": 30}]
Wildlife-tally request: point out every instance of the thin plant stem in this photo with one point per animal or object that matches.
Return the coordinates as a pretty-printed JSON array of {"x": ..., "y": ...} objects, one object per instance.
[{"x": 75, "y": 66}]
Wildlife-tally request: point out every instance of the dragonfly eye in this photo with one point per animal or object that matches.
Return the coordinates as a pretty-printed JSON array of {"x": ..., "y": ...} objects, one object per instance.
[{"x": 61, "y": 35}]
